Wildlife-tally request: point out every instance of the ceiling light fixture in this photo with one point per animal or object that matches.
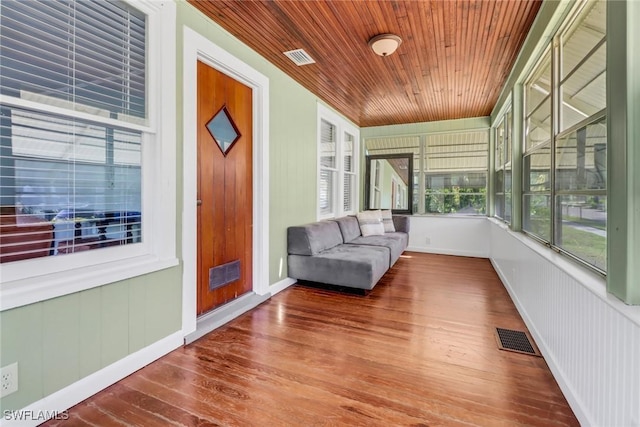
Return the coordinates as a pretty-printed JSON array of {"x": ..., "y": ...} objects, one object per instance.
[{"x": 384, "y": 44}]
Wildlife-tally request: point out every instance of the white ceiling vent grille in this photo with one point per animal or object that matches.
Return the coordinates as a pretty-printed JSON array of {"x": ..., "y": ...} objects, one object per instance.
[{"x": 300, "y": 57}]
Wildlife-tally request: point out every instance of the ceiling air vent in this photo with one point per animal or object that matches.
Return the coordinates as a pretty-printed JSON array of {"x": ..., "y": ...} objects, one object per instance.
[{"x": 300, "y": 57}]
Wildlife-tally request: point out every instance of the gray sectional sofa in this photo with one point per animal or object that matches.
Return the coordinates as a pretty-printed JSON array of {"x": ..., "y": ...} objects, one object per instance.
[{"x": 334, "y": 252}]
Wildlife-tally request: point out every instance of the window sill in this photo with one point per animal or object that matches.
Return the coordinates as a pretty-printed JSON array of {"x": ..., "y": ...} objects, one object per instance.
[{"x": 22, "y": 292}]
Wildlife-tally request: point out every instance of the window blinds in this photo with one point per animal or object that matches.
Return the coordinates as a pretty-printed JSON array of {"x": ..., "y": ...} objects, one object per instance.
[
  {"x": 87, "y": 56},
  {"x": 69, "y": 184}
]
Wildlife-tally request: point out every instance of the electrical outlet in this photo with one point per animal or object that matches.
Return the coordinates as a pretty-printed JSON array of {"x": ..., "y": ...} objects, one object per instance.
[
  {"x": 9, "y": 379},
  {"x": 428, "y": 240}
]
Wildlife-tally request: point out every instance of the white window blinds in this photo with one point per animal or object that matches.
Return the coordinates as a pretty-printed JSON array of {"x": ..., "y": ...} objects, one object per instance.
[
  {"x": 70, "y": 183},
  {"x": 83, "y": 55}
]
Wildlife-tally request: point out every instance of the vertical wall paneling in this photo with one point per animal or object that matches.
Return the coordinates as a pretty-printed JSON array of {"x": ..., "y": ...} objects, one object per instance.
[{"x": 590, "y": 339}]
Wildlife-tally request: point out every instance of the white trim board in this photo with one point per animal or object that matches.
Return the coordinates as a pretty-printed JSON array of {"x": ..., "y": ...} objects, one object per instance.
[
  {"x": 88, "y": 386},
  {"x": 282, "y": 285},
  {"x": 199, "y": 48}
]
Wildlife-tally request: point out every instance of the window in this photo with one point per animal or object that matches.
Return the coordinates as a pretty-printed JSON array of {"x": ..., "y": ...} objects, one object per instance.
[
  {"x": 565, "y": 167},
  {"x": 502, "y": 177},
  {"x": 81, "y": 129},
  {"x": 455, "y": 172},
  {"x": 337, "y": 168},
  {"x": 450, "y": 169},
  {"x": 536, "y": 185}
]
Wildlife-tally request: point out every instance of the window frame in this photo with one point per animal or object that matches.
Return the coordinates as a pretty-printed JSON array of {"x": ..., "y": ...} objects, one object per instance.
[
  {"x": 504, "y": 122},
  {"x": 38, "y": 279},
  {"x": 555, "y": 52},
  {"x": 342, "y": 127}
]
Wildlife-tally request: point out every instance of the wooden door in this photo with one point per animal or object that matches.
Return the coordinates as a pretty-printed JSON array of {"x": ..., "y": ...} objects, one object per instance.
[{"x": 225, "y": 213}]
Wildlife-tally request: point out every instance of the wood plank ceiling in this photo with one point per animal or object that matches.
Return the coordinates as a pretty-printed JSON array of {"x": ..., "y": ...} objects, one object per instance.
[{"x": 452, "y": 63}]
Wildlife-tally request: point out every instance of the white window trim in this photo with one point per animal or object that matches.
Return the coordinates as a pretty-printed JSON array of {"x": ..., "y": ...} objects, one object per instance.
[
  {"x": 30, "y": 281},
  {"x": 342, "y": 127}
]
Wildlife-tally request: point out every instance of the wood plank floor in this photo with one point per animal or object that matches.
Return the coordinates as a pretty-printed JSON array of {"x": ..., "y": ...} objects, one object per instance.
[{"x": 419, "y": 350}]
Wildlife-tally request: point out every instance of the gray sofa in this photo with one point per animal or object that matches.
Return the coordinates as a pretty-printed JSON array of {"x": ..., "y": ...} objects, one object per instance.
[{"x": 334, "y": 252}]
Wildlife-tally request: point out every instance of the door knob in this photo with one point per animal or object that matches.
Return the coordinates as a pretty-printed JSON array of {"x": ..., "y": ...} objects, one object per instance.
[{"x": 198, "y": 202}]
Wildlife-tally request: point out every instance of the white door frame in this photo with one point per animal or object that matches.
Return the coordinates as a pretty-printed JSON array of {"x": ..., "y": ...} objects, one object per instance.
[{"x": 198, "y": 48}]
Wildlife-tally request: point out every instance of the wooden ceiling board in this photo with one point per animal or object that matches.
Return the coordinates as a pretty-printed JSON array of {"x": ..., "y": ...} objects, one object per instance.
[{"x": 452, "y": 63}]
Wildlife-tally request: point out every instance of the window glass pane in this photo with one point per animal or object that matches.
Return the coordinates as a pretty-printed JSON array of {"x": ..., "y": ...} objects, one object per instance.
[
  {"x": 500, "y": 181},
  {"x": 463, "y": 193},
  {"x": 499, "y": 205},
  {"x": 537, "y": 215},
  {"x": 348, "y": 192},
  {"x": 500, "y": 140},
  {"x": 539, "y": 86},
  {"x": 460, "y": 151},
  {"x": 348, "y": 152},
  {"x": 327, "y": 190},
  {"x": 508, "y": 137},
  {"x": 538, "y": 125},
  {"x": 507, "y": 195},
  {"x": 584, "y": 92},
  {"x": 327, "y": 145},
  {"x": 537, "y": 170},
  {"x": 581, "y": 159},
  {"x": 583, "y": 228},
  {"x": 85, "y": 56},
  {"x": 82, "y": 179},
  {"x": 583, "y": 35}
]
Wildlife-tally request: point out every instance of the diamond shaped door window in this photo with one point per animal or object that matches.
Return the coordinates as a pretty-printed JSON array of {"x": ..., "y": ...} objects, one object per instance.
[{"x": 223, "y": 130}]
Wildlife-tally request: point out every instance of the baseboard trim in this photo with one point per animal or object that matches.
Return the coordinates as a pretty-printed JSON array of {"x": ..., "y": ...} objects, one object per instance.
[
  {"x": 86, "y": 387},
  {"x": 441, "y": 251},
  {"x": 567, "y": 390},
  {"x": 281, "y": 285},
  {"x": 218, "y": 317}
]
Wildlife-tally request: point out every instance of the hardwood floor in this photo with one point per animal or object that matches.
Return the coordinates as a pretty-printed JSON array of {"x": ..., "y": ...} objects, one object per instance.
[{"x": 419, "y": 350}]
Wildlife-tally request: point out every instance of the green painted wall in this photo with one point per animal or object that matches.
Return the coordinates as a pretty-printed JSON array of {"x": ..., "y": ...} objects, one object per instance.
[
  {"x": 292, "y": 138},
  {"x": 62, "y": 340}
]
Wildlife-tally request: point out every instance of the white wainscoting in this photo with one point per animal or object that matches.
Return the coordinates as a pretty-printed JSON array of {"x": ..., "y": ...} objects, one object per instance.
[
  {"x": 590, "y": 340},
  {"x": 449, "y": 235}
]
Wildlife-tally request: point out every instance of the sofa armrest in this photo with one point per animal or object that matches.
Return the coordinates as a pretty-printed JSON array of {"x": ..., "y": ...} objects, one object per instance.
[{"x": 401, "y": 223}]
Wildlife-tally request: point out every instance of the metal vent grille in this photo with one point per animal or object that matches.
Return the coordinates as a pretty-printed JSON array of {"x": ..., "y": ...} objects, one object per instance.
[
  {"x": 300, "y": 57},
  {"x": 224, "y": 274},
  {"x": 517, "y": 341}
]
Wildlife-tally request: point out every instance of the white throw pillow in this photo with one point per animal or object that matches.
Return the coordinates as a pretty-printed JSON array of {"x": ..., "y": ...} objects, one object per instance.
[
  {"x": 370, "y": 223},
  {"x": 387, "y": 221}
]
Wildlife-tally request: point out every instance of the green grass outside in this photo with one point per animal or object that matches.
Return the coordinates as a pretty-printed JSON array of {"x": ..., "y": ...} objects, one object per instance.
[{"x": 588, "y": 246}]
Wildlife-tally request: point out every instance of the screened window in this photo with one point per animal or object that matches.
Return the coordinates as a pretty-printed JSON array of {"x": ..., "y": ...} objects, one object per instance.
[
  {"x": 71, "y": 182},
  {"x": 449, "y": 169},
  {"x": 337, "y": 165},
  {"x": 502, "y": 177},
  {"x": 455, "y": 172},
  {"x": 565, "y": 175},
  {"x": 536, "y": 189}
]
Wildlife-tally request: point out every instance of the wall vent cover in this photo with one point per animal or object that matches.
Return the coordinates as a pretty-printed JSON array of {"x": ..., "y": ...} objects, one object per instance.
[
  {"x": 300, "y": 57},
  {"x": 224, "y": 274},
  {"x": 517, "y": 341}
]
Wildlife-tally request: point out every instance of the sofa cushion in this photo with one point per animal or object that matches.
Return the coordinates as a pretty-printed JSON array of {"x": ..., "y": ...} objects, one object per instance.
[
  {"x": 370, "y": 223},
  {"x": 349, "y": 265},
  {"x": 401, "y": 223},
  {"x": 311, "y": 239},
  {"x": 396, "y": 242},
  {"x": 349, "y": 227},
  {"x": 387, "y": 221}
]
